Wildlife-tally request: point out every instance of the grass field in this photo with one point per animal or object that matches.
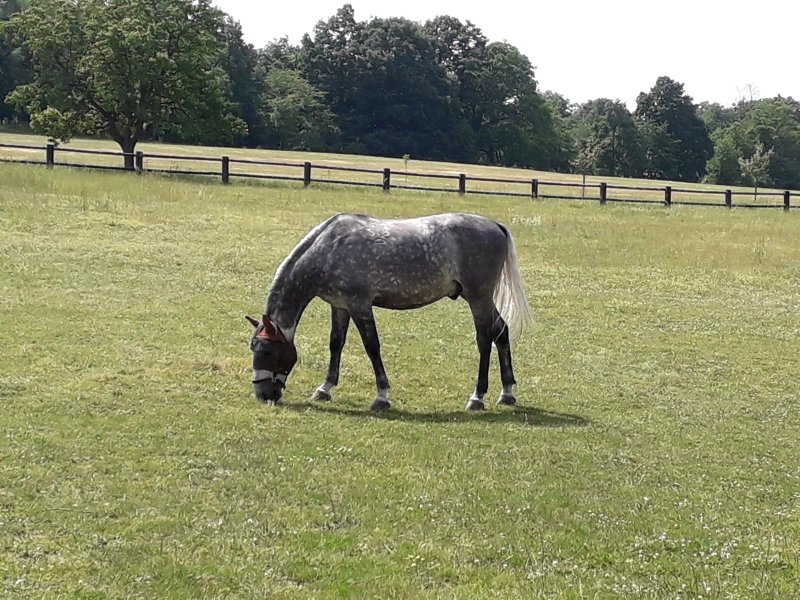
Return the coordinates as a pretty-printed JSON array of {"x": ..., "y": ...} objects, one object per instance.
[{"x": 654, "y": 452}]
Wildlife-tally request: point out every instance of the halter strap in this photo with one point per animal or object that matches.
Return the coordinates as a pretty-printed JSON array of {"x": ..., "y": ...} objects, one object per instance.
[{"x": 260, "y": 375}]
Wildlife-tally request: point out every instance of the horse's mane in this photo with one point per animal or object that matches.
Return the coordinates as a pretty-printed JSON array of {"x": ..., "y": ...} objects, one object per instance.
[{"x": 285, "y": 269}]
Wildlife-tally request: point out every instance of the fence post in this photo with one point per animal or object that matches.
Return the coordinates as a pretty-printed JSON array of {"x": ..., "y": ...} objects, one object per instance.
[
  {"x": 787, "y": 199},
  {"x": 729, "y": 198},
  {"x": 226, "y": 169},
  {"x": 603, "y": 192},
  {"x": 50, "y": 155},
  {"x": 668, "y": 195},
  {"x": 462, "y": 184},
  {"x": 534, "y": 188},
  {"x": 387, "y": 180},
  {"x": 306, "y": 174},
  {"x": 139, "y": 162}
]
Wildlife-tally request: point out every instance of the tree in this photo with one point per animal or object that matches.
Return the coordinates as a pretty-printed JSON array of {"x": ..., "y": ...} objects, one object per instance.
[
  {"x": 517, "y": 128},
  {"x": 438, "y": 91},
  {"x": 715, "y": 116},
  {"x": 240, "y": 62},
  {"x": 564, "y": 147},
  {"x": 756, "y": 167},
  {"x": 13, "y": 70},
  {"x": 460, "y": 51},
  {"x": 724, "y": 167},
  {"x": 661, "y": 152},
  {"x": 328, "y": 58},
  {"x": 279, "y": 54},
  {"x": 382, "y": 81},
  {"x": 608, "y": 139},
  {"x": 125, "y": 68},
  {"x": 296, "y": 113},
  {"x": 666, "y": 104},
  {"x": 773, "y": 123}
]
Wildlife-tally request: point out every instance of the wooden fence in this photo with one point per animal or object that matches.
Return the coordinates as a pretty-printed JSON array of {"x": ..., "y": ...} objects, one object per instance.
[{"x": 387, "y": 179}]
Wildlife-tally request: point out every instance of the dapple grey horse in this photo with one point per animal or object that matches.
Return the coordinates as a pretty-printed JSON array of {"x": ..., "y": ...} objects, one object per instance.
[{"x": 354, "y": 262}]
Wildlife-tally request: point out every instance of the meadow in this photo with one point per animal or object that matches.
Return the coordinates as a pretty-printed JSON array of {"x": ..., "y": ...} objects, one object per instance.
[{"x": 653, "y": 454}]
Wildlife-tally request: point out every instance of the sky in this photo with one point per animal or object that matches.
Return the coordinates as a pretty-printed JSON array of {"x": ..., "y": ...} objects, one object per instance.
[{"x": 720, "y": 50}]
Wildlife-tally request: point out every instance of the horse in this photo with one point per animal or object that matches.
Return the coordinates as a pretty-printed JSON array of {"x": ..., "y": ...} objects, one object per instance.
[{"x": 355, "y": 262}]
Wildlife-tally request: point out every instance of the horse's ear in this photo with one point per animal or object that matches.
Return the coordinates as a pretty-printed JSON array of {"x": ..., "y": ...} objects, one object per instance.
[
  {"x": 252, "y": 321},
  {"x": 272, "y": 331}
]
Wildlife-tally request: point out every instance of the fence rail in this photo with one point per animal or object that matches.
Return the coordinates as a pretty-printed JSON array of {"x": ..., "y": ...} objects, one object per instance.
[{"x": 534, "y": 188}]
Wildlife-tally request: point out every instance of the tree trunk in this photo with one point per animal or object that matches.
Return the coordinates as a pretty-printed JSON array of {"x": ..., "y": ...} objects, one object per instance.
[{"x": 128, "y": 147}]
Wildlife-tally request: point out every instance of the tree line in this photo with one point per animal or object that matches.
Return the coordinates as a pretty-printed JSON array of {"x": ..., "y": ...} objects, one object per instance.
[{"x": 180, "y": 70}]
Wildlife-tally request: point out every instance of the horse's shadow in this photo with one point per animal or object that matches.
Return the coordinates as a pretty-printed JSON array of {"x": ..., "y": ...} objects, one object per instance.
[{"x": 522, "y": 415}]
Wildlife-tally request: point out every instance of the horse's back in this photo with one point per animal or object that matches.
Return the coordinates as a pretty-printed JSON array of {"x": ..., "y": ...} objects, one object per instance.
[
  {"x": 467, "y": 226},
  {"x": 404, "y": 263}
]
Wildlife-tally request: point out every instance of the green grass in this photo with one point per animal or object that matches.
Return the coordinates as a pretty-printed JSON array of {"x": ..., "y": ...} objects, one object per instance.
[{"x": 654, "y": 452}]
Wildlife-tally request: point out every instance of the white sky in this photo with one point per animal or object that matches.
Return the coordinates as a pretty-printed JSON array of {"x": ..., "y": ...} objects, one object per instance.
[{"x": 583, "y": 49}]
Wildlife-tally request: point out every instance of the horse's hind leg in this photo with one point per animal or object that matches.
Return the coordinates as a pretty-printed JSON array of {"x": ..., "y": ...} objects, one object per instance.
[
  {"x": 483, "y": 314},
  {"x": 365, "y": 322},
  {"x": 340, "y": 321},
  {"x": 506, "y": 371}
]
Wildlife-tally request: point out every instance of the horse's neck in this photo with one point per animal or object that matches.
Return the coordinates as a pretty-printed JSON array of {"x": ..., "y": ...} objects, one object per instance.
[
  {"x": 291, "y": 289},
  {"x": 288, "y": 299}
]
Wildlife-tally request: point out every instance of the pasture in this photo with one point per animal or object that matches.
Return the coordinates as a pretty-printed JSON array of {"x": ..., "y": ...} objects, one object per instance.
[{"x": 654, "y": 452}]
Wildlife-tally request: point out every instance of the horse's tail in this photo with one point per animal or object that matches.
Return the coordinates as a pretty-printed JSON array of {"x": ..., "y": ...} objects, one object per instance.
[{"x": 509, "y": 295}]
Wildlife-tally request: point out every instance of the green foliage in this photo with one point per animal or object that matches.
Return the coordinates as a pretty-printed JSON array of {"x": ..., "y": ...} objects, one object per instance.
[
  {"x": 13, "y": 69},
  {"x": 239, "y": 61},
  {"x": 382, "y": 82},
  {"x": 715, "y": 116},
  {"x": 661, "y": 151},
  {"x": 775, "y": 123},
  {"x": 772, "y": 123},
  {"x": 724, "y": 166},
  {"x": 667, "y": 105},
  {"x": 517, "y": 125},
  {"x": 436, "y": 91},
  {"x": 125, "y": 67},
  {"x": 296, "y": 114},
  {"x": 755, "y": 169},
  {"x": 608, "y": 140}
]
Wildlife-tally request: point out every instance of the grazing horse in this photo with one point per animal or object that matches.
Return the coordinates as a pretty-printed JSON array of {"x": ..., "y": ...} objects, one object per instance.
[{"x": 354, "y": 262}]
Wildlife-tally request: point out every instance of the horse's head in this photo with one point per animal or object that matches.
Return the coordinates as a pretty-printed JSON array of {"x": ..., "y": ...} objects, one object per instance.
[{"x": 273, "y": 359}]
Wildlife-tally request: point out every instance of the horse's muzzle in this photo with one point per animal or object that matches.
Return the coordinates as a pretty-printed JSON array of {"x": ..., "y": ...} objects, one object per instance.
[
  {"x": 268, "y": 390},
  {"x": 268, "y": 385}
]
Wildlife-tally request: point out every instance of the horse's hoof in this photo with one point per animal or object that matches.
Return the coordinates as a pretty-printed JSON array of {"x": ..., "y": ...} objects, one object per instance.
[
  {"x": 380, "y": 405},
  {"x": 475, "y": 404},
  {"x": 321, "y": 395},
  {"x": 507, "y": 400}
]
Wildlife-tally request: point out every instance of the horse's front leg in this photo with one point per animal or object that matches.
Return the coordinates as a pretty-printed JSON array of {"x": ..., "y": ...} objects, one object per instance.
[
  {"x": 365, "y": 322},
  {"x": 340, "y": 321}
]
